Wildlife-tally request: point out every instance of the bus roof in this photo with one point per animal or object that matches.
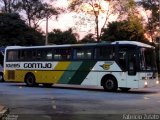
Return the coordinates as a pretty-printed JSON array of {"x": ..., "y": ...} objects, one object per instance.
[
  {"x": 86, "y": 44},
  {"x": 140, "y": 44},
  {"x": 56, "y": 46}
]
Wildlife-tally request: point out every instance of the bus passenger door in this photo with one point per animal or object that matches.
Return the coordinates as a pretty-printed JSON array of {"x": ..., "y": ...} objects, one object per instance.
[{"x": 132, "y": 65}]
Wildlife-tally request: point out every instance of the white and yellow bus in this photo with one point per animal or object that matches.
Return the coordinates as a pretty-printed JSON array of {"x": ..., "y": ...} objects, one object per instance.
[{"x": 120, "y": 64}]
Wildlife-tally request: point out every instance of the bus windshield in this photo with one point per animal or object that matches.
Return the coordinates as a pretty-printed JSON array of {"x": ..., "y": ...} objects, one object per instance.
[{"x": 148, "y": 59}]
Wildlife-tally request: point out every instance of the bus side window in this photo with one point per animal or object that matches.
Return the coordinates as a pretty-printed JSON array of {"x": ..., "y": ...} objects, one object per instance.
[
  {"x": 39, "y": 55},
  {"x": 49, "y": 56},
  {"x": 43, "y": 55},
  {"x": 21, "y": 56},
  {"x": 105, "y": 52},
  {"x": 34, "y": 55},
  {"x": 81, "y": 53},
  {"x": 62, "y": 54},
  {"x": 46, "y": 54},
  {"x": 28, "y": 55},
  {"x": 122, "y": 59},
  {"x": 12, "y": 55}
]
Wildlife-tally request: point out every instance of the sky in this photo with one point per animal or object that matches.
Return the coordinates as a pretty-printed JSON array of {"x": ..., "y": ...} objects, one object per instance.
[
  {"x": 63, "y": 22},
  {"x": 72, "y": 20}
]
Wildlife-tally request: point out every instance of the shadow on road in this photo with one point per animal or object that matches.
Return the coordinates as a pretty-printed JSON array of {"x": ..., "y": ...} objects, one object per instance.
[{"x": 90, "y": 88}]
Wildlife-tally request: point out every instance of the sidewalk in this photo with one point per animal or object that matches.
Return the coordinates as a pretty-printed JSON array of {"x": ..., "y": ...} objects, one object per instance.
[{"x": 3, "y": 111}]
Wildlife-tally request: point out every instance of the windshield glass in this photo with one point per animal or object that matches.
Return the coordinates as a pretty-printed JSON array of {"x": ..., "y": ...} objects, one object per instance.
[{"x": 148, "y": 59}]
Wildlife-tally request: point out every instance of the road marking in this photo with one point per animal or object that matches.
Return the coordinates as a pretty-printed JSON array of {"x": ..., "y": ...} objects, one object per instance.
[
  {"x": 53, "y": 103},
  {"x": 146, "y": 98}
]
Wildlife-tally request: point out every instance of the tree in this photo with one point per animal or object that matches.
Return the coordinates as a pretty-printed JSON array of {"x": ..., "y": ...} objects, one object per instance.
[
  {"x": 58, "y": 37},
  {"x": 96, "y": 8},
  {"x": 88, "y": 39},
  {"x": 36, "y": 10},
  {"x": 14, "y": 31},
  {"x": 131, "y": 29},
  {"x": 9, "y": 6},
  {"x": 152, "y": 24},
  {"x": 153, "y": 20},
  {"x": 34, "y": 37}
]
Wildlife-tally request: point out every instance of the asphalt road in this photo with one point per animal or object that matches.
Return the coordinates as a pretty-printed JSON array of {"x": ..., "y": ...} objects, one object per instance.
[{"x": 75, "y": 103}]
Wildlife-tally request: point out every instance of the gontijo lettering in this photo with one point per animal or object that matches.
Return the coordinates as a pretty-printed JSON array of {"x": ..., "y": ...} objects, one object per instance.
[{"x": 37, "y": 65}]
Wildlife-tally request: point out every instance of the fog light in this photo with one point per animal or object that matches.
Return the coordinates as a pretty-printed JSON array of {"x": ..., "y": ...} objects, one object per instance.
[{"x": 157, "y": 82}]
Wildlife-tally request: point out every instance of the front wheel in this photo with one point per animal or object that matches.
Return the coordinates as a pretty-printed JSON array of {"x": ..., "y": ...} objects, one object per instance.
[
  {"x": 30, "y": 80},
  {"x": 110, "y": 84}
]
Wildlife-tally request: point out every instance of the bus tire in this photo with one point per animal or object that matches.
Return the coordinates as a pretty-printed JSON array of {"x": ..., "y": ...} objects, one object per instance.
[
  {"x": 110, "y": 84},
  {"x": 47, "y": 84},
  {"x": 1, "y": 77},
  {"x": 30, "y": 80},
  {"x": 124, "y": 89}
]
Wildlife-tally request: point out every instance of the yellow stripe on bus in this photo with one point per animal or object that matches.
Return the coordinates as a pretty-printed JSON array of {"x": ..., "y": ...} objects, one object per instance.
[
  {"x": 52, "y": 76},
  {"x": 59, "y": 70},
  {"x": 44, "y": 76}
]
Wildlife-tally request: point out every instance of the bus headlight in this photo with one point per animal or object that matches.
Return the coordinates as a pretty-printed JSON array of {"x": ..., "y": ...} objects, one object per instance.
[
  {"x": 145, "y": 83},
  {"x": 157, "y": 82}
]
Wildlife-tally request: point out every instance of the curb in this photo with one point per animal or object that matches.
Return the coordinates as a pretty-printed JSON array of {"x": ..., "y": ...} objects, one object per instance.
[{"x": 3, "y": 111}]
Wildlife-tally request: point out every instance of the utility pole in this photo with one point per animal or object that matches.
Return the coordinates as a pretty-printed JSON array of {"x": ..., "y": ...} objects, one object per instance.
[
  {"x": 97, "y": 27},
  {"x": 46, "y": 41},
  {"x": 96, "y": 10}
]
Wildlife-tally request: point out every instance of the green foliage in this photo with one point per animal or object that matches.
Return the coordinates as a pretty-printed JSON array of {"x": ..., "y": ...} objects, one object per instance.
[
  {"x": 120, "y": 8},
  {"x": 153, "y": 6},
  {"x": 32, "y": 10},
  {"x": 88, "y": 39},
  {"x": 36, "y": 10},
  {"x": 9, "y": 6},
  {"x": 34, "y": 37},
  {"x": 14, "y": 31},
  {"x": 58, "y": 37},
  {"x": 128, "y": 7},
  {"x": 153, "y": 19},
  {"x": 130, "y": 29},
  {"x": 74, "y": 4}
]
